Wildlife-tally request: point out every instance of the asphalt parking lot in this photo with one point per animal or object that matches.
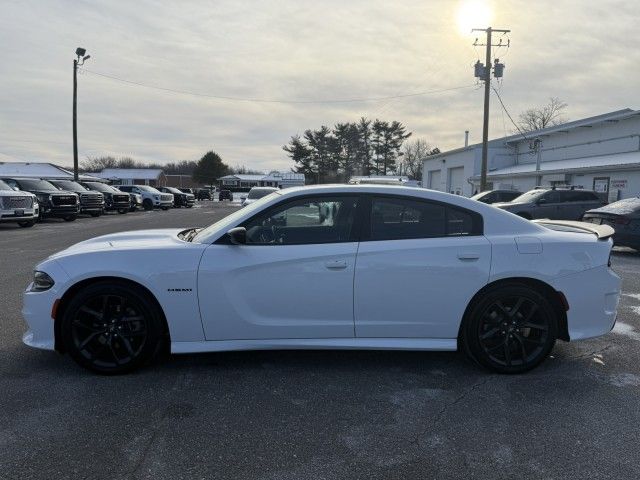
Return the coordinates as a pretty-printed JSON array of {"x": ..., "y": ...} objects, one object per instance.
[{"x": 315, "y": 414}]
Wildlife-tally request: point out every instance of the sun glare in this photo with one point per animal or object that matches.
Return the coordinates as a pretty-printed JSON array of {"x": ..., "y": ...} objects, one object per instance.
[{"x": 473, "y": 14}]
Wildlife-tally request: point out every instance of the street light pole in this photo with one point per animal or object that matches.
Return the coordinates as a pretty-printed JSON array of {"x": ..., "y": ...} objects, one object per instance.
[
  {"x": 78, "y": 61},
  {"x": 75, "y": 119}
]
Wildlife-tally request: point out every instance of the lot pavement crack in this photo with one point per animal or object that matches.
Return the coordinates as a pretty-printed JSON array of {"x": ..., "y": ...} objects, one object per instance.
[
  {"x": 442, "y": 412},
  {"x": 591, "y": 354}
]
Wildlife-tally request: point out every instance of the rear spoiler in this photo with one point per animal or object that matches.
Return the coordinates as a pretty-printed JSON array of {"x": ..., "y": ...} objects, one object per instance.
[{"x": 601, "y": 231}]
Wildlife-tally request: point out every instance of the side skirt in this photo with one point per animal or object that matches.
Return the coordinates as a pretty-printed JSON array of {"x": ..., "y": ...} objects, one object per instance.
[{"x": 426, "y": 344}]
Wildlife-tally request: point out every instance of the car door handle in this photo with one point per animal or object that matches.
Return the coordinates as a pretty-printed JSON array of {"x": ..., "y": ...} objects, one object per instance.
[
  {"x": 468, "y": 256},
  {"x": 336, "y": 264}
]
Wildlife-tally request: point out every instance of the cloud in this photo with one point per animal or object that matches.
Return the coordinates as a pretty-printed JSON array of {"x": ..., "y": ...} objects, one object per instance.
[{"x": 297, "y": 50}]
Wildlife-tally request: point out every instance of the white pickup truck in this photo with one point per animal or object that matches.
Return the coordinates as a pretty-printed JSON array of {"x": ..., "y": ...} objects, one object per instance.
[{"x": 17, "y": 206}]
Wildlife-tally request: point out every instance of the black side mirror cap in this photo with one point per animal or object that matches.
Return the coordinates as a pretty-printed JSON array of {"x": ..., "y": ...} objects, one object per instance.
[{"x": 238, "y": 235}]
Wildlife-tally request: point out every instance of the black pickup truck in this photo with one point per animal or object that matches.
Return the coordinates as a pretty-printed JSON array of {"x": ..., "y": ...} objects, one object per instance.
[
  {"x": 114, "y": 199},
  {"x": 53, "y": 202},
  {"x": 91, "y": 202}
]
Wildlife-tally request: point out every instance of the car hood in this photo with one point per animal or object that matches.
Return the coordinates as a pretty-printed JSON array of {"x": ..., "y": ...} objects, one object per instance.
[
  {"x": 15, "y": 193},
  {"x": 139, "y": 239}
]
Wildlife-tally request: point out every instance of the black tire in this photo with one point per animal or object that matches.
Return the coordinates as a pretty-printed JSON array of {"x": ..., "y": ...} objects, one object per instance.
[
  {"x": 147, "y": 204},
  {"x": 510, "y": 329},
  {"x": 70, "y": 218},
  {"x": 96, "y": 214},
  {"x": 112, "y": 328},
  {"x": 27, "y": 224},
  {"x": 189, "y": 206},
  {"x": 123, "y": 211},
  {"x": 165, "y": 208}
]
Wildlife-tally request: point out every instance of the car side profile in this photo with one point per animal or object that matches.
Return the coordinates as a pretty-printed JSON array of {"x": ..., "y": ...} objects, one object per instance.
[
  {"x": 553, "y": 203},
  {"x": 330, "y": 267}
]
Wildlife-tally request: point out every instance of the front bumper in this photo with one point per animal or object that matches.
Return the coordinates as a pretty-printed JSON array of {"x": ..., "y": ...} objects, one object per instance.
[
  {"x": 60, "y": 211},
  {"x": 37, "y": 307},
  {"x": 22, "y": 215},
  {"x": 593, "y": 296}
]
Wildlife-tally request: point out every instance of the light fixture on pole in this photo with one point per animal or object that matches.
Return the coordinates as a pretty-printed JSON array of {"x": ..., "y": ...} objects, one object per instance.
[{"x": 78, "y": 61}]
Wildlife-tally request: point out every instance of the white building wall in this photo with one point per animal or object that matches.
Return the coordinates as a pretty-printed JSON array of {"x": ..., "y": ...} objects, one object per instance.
[{"x": 607, "y": 138}]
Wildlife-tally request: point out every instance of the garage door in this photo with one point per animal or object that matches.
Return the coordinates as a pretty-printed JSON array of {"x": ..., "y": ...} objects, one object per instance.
[
  {"x": 456, "y": 180},
  {"x": 434, "y": 180}
]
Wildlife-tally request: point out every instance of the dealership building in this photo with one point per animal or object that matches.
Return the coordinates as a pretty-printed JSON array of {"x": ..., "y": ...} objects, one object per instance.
[{"x": 600, "y": 153}]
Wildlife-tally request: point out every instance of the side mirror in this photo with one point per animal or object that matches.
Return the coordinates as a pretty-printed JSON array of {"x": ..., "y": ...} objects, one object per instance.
[
  {"x": 541, "y": 201},
  {"x": 238, "y": 235}
]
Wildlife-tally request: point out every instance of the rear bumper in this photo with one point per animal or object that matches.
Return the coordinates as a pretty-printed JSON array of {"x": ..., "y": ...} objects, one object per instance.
[{"x": 593, "y": 297}]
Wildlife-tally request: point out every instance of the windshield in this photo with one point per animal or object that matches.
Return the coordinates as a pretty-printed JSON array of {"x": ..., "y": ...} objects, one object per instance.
[
  {"x": 69, "y": 185},
  {"x": 529, "y": 196},
  {"x": 231, "y": 219},
  {"x": 101, "y": 187},
  {"x": 4, "y": 186},
  {"x": 480, "y": 195},
  {"x": 256, "y": 193},
  {"x": 146, "y": 188},
  {"x": 33, "y": 184},
  {"x": 173, "y": 190}
]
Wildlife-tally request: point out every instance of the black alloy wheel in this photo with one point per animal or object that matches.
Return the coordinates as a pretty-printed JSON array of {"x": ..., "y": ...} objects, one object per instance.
[
  {"x": 510, "y": 330},
  {"x": 111, "y": 328}
]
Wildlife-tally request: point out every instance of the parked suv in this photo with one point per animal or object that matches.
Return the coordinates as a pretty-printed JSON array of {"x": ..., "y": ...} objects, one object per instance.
[
  {"x": 52, "y": 201},
  {"x": 204, "y": 194},
  {"x": 552, "y": 203},
  {"x": 180, "y": 199},
  {"x": 17, "y": 206},
  {"x": 114, "y": 199},
  {"x": 496, "y": 196},
  {"x": 225, "y": 195},
  {"x": 90, "y": 202},
  {"x": 151, "y": 197}
]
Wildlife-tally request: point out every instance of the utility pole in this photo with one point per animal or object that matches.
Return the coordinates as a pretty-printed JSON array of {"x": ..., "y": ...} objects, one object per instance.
[
  {"x": 78, "y": 61},
  {"x": 484, "y": 72}
]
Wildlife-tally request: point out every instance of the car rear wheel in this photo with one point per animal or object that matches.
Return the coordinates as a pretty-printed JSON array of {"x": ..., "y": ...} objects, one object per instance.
[
  {"x": 511, "y": 329},
  {"x": 112, "y": 328},
  {"x": 27, "y": 224},
  {"x": 147, "y": 204}
]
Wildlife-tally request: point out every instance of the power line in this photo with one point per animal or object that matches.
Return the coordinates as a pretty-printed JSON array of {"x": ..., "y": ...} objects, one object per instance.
[
  {"x": 264, "y": 100},
  {"x": 508, "y": 114}
]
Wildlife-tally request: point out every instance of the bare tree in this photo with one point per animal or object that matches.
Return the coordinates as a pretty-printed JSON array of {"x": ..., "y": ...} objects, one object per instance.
[
  {"x": 413, "y": 154},
  {"x": 541, "y": 117}
]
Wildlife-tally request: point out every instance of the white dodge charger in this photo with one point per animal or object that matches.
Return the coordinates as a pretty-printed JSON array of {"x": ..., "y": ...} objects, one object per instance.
[{"x": 329, "y": 267}]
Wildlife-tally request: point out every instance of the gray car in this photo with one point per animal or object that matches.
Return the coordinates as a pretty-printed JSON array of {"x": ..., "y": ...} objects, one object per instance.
[
  {"x": 552, "y": 203},
  {"x": 624, "y": 217}
]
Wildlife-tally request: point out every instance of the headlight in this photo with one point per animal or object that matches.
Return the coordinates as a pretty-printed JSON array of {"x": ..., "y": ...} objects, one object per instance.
[
  {"x": 156, "y": 197},
  {"x": 41, "y": 282}
]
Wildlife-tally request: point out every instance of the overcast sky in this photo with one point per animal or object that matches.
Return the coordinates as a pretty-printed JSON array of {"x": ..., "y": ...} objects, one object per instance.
[{"x": 586, "y": 53}]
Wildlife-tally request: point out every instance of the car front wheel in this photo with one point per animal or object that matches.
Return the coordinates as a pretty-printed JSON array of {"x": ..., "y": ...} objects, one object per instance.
[
  {"x": 511, "y": 329},
  {"x": 111, "y": 328}
]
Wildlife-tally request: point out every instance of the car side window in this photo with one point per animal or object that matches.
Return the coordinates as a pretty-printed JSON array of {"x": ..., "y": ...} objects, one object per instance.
[
  {"x": 304, "y": 221},
  {"x": 553, "y": 196},
  {"x": 400, "y": 218}
]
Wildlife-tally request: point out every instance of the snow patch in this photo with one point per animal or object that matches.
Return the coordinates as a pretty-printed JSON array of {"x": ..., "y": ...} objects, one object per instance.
[
  {"x": 627, "y": 330},
  {"x": 632, "y": 295},
  {"x": 625, "y": 380}
]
